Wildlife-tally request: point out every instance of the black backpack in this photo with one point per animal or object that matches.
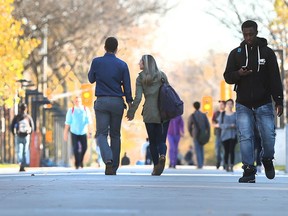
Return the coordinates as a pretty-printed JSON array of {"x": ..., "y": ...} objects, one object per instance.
[{"x": 169, "y": 103}]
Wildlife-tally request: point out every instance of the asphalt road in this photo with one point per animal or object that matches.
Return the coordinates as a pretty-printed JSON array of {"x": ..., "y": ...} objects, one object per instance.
[{"x": 133, "y": 191}]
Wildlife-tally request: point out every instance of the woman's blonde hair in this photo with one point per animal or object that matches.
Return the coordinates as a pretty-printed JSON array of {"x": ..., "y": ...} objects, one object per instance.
[{"x": 150, "y": 70}]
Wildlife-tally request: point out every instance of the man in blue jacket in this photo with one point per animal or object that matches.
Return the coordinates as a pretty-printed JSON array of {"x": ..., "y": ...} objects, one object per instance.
[
  {"x": 254, "y": 70},
  {"x": 112, "y": 78}
]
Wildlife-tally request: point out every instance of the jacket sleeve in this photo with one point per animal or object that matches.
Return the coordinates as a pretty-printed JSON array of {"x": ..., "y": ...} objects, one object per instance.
[
  {"x": 127, "y": 84},
  {"x": 91, "y": 74},
  {"x": 275, "y": 79},
  {"x": 231, "y": 74},
  {"x": 138, "y": 98},
  {"x": 190, "y": 125}
]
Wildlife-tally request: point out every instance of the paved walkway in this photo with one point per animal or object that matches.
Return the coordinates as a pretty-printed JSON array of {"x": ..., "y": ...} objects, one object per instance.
[{"x": 133, "y": 191}]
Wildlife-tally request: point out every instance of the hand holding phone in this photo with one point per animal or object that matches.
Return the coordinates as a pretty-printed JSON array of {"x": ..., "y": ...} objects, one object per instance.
[{"x": 244, "y": 71}]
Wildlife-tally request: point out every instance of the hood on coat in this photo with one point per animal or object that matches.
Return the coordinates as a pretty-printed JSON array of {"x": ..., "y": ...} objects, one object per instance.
[{"x": 260, "y": 42}]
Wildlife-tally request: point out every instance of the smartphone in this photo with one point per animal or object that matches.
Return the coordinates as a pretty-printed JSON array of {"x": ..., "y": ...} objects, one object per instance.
[{"x": 244, "y": 67}]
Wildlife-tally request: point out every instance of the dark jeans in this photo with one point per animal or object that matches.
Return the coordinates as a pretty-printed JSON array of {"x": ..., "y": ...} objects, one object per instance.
[
  {"x": 157, "y": 134},
  {"x": 229, "y": 150},
  {"x": 109, "y": 112},
  {"x": 79, "y": 143}
]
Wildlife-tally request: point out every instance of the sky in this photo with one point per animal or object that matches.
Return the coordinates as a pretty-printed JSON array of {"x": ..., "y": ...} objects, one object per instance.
[{"x": 187, "y": 31}]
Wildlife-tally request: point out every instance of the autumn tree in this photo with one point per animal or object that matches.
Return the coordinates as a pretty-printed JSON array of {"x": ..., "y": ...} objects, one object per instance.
[
  {"x": 15, "y": 48},
  {"x": 76, "y": 30}
]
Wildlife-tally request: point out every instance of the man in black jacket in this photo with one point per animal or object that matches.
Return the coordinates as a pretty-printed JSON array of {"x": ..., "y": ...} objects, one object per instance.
[{"x": 253, "y": 68}]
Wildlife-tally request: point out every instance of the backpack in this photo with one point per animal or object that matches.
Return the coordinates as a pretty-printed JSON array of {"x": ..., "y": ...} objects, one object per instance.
[
  {"x": 169, "y": 103},
  {"x": 203, "y": 135}
]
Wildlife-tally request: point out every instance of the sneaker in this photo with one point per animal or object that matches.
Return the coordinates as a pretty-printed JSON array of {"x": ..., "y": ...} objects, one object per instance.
[
  {"x": 269, "y": 168},
  {"x": 109, "y": 168},
  {"x": 248, "y": 174},
  {"x": 158, "y": 169}
]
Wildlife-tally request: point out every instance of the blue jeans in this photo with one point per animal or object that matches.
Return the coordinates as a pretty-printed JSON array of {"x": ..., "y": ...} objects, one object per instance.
[
  {"x": 263, "y": 118},
  {"x": 109, "y": 113},
  {"x": 23, "y": 149},
  {"x": 157, "y": 134},
  {"x": 199, "y": 150}
]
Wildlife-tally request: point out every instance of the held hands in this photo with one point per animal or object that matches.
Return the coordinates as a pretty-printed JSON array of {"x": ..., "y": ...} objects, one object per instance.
[
  {"x": 279, "y": 110},
  {"x": 244, "y": 71}
]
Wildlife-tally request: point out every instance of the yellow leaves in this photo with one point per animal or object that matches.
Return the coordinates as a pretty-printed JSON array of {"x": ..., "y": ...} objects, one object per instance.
[{"x": 13, "y": 52}]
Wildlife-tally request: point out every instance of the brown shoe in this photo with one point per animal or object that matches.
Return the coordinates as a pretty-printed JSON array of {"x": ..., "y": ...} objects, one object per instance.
[
  {"x": 158, "y": 169},
  {"x": 109, "y": 168}
]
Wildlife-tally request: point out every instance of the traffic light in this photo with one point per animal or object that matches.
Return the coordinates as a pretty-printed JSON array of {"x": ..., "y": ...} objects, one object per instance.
[
  {"x": 87, "y": 94},
  {"x": 207, "y": 105}
]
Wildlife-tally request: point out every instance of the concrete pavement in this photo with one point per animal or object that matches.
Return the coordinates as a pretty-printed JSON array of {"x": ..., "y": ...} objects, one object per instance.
[{"x": 133, "y": 191}]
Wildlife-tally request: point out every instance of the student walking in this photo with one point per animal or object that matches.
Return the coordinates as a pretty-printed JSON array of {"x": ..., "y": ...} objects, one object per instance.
[
  {"x": 21, "y": 127},
  {"x": 227, "y": 123},
  {"x": 148, "y": 83},
  {"x": 217, "y": 132},
  {"x": 252, "y": 67},
  {"x": 78, "y": 122},
  {"x": 112, "y": 79},
  {"x": 198, "y": 121}
]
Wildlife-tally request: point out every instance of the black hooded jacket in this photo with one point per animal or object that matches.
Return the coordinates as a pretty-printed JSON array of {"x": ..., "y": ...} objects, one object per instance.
[{"x": 255, "y": 89}]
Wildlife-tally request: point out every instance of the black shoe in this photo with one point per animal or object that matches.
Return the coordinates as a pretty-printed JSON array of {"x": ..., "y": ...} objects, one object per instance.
[
  {"x": 217, "y": 165},
  {"x": 248, "y": 174},
  {"x": 269, "y": 168},
  {"x": 22, "y": 168},
  {"x": 109, "y": 168}
]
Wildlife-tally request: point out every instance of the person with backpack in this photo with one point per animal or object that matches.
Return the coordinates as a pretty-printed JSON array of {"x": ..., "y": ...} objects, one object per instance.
[
  {"x": 198, "y": 123},
  {"x": 21, "y": 127},
  {"x": 78, "y": 122},
  {"x": 148, "y": 84}
]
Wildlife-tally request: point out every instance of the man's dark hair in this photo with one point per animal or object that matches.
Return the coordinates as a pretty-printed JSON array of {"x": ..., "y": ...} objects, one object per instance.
[
  {"x": 230, "y": 100},
  {"x": 23, "y": 107},
  {"x": 196, "y": 105},
  {"x": 249, "y": 24},
  {"x": 111, "y": 44}
]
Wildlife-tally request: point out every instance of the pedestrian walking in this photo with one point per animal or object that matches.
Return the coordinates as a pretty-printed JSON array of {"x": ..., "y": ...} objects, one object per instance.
[
  {"x": 198, "y": 122},
  {"x": 148, "y": 83},
  {"x": 78, "y": 121},
  {"x": 175, "y": 132},
  {"x": 21, "y": 127},
  {"x": 227, "y": 124},
  {"x": 217, "y": 132},
  {"x": 253, "y": 69},
  {"x": 112, "y": 78}
]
